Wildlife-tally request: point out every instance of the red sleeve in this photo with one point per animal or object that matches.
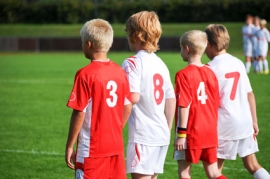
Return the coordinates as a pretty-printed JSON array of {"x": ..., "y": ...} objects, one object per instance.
[
  {"x": 80, "y": 95},
  {"x": 182, "y": 90}
]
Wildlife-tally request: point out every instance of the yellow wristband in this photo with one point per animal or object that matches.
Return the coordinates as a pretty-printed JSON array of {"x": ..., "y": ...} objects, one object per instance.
[{"x": 181, "y": 135}]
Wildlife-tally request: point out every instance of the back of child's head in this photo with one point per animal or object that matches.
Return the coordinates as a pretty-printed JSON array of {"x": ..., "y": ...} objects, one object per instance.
[
  {"x": 249, "y": 19},
  {"x": 218, "y": 36},
  {"x": 99, "y": 32},
  {"x": 263, "y": 22},
  {"x": 256, "y": 20},
  {"x": 196, "y": 40},
  {"x": 144, "y": 27}
]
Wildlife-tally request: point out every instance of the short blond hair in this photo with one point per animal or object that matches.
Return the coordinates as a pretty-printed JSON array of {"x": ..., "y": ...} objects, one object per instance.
[
  {"x": 99, "y": 32},
  {"x": 196, "y": 40},
  {"x": 218, "y": 36},
  {"x": 144, "y": 27},
  {"x": 263, "y": 22}
]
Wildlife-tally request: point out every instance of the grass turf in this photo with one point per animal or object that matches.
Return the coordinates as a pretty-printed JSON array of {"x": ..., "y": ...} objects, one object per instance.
[{"x": 34, "y": 90}]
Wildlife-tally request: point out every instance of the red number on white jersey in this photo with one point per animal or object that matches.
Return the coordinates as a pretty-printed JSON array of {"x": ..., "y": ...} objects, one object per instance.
[
  {"x": 112, "y": 86},
  {"x": 235, "y": 76},
  {"x": 158, "y": 91},
  {"x": 201, "y": 96}
]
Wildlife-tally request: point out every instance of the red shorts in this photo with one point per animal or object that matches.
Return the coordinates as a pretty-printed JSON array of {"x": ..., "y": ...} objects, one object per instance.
[
  {"x": 103, "y": 167},
  {"x": 208, "y": 155}
]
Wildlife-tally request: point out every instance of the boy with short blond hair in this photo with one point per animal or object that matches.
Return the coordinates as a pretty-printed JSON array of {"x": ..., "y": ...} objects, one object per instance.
[
  {"x": 100, "y": 100},
  {"x": 152, "y": 96},
  {"x": 196, "y": 88},
  {"x": 237, "y": 131}
]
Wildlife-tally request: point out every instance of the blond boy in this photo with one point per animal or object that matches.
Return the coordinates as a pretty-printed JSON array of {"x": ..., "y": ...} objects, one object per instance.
[
  {"x": 237, "y": 131},
  {"x": 152, "y": 96},
  {"x": 100, "y": 104},
  {"x": 196, "y": 88}
]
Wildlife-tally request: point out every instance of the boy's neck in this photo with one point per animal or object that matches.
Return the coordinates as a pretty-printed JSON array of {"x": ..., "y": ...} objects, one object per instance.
[
  {"x": 100, "y": 56},
  {"x": 195, "y": 59}
]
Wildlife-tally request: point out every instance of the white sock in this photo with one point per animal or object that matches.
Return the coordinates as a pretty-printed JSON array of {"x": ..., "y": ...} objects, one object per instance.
[
  {"x": 248, "y": 64},
  {"x": 261, "y": 174},
  {"x": 265, "y": 64},
  {"x": 260, "y": 66}
]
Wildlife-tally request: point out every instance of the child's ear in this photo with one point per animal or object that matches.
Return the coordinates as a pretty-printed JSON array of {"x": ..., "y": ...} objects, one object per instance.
[
  {"x": 89, "y": 44},
  {"x": 187, "y": 49}
]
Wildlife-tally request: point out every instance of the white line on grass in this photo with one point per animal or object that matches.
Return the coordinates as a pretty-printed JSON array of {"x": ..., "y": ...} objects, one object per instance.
[{"x": 61, "y": 154}]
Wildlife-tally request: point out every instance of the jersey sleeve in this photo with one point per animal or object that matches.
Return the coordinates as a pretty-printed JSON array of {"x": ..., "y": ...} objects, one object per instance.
[
  {"x": 133, "y": 74},
  {"x": 169, "y": 90},
  {"x": 80, "y": 95},
  {"x": 182, "y": 90}
]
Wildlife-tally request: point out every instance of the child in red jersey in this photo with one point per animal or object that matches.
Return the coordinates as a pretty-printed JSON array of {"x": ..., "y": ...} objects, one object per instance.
[
  {"x": 197, "y": 95},
  {"x": 100, "y": 103}
]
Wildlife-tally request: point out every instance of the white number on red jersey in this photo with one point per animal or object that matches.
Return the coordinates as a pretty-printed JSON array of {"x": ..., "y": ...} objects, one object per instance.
[
  {"x": 158, "y": 91},
  {"x": 201, "y": 96},
  {"x": 235, "y": 76},
  {"x": 112, "y": 86}
]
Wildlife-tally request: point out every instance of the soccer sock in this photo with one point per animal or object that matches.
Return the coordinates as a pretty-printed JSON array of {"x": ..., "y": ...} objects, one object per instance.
[
  {"x": 260, "y": 66},
  {"x": 261, "y": 174},
  {"x": 248, "y": 64},
  {"x": 221, "y": 177},
  {"x": 265, "y": 64},
  {"x": 254, "y": 64}
]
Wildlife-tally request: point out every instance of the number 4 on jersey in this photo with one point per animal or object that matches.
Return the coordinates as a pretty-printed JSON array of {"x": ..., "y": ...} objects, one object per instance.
[{"x": 201, "y": 96}]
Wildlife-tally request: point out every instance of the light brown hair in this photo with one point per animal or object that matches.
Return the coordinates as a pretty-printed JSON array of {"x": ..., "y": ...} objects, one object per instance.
[
  {"x": 218, "y": 36},
  {"x": 144, "y": 27}
]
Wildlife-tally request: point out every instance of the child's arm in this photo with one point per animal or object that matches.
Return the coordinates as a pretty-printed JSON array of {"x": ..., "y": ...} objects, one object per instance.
[
  {"x": 179, "y": 143},
  {"x": 252, "y": 105},
  {"x": 76, "y": 122},
  {"x": 135, "y": 97},
  {"x": 170, "y": 110},
  {"x": 126, "y": 113}
]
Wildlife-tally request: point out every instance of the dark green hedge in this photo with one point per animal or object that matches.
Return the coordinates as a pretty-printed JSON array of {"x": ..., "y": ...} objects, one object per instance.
[{"x": 79, "y": 11}]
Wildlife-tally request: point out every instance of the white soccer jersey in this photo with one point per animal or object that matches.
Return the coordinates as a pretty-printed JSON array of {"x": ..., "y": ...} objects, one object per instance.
[
  {"x": 254, "y": 40},
  {"x": 234, "y": 116},
  {"x": 247, "y": 34},
  {"x": 149, "y": 76},
  {"x": 263, "y": 37}
]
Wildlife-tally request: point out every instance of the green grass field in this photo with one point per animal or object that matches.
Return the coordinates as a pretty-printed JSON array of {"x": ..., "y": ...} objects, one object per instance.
[{"x": 34, "y": 90}]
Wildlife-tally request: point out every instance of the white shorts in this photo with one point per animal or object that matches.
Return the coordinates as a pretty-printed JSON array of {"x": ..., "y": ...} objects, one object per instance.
[
  {"x": 179, "y": 155},
  {"x": 146, "y": 160},
  {"x": 248, "y": 49},
  {"x": 228, "y": 149}
]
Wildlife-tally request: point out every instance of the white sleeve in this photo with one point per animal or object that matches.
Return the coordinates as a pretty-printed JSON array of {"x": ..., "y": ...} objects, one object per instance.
[
  {"x": 169, "y": 90},
  {"x": 133, "y": 71}
]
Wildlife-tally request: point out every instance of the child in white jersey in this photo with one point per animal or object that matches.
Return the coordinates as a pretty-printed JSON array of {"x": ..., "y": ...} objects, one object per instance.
[
  {"x": 247, "y": 34},
  {"x": 236, "y": 131},
  {"x": 263, "y": 37},
  {"x": 254, "y": 40},
  {"x": 152, "y": 96}
]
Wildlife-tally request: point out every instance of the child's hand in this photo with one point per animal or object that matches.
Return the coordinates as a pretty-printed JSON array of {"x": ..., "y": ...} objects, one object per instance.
[
  {"x": 180, "y": 143},
  {"x": 70, "y": 158}
]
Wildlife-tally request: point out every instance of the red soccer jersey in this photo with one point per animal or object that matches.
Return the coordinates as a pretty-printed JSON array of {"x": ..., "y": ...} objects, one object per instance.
[
  {"x": 100, "y": 90},
  {"x": 197, "y": 87}
]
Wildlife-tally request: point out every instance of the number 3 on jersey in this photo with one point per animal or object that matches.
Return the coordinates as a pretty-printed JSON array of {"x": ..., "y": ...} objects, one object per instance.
[
  {"x": 112, "y": 87},
  {"x": 158, "y": 91},
  {"x": 201, "y": 96}
]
